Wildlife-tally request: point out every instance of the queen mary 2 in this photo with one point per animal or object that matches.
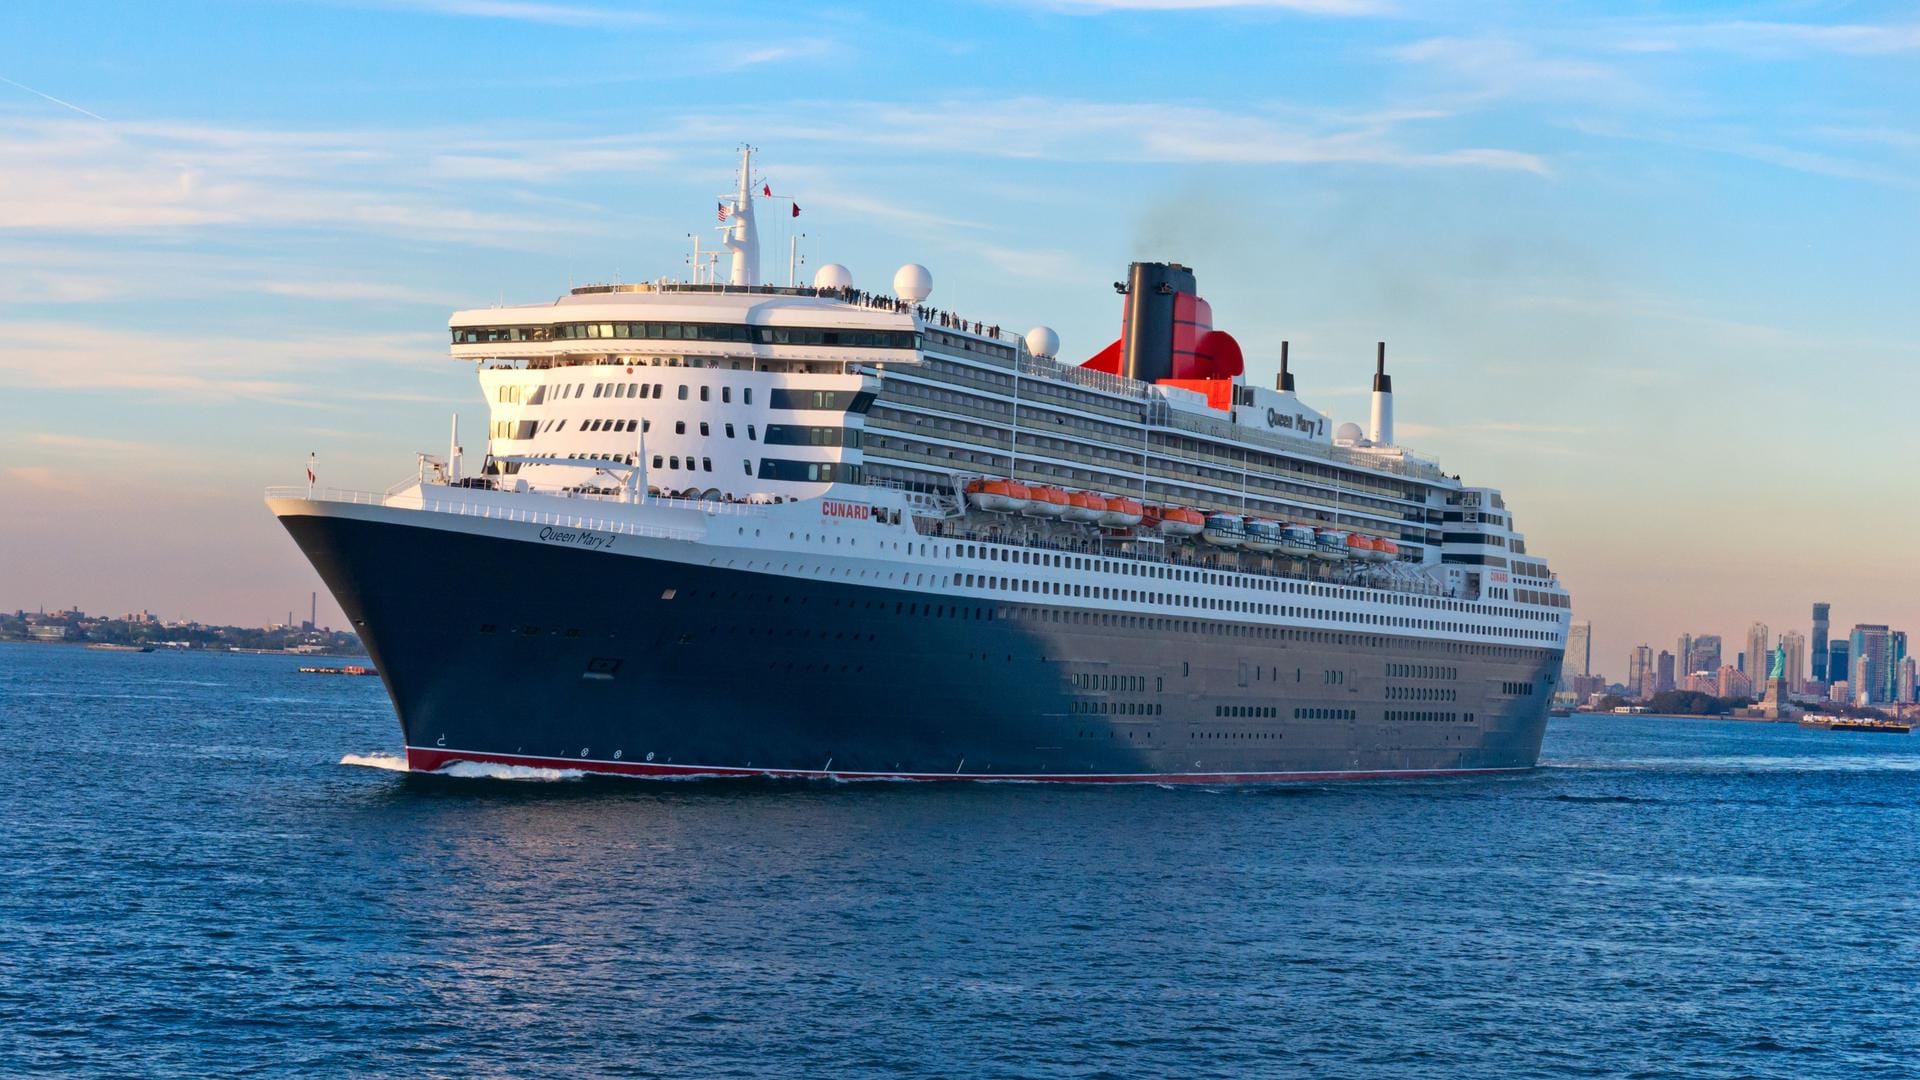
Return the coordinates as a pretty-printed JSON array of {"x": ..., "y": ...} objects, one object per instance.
[{"x": 726, "y": 528}]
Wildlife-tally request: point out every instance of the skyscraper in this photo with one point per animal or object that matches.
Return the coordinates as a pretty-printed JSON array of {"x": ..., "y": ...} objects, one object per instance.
[
  {"x": 1820, "y": 640},
  {"x": 1871, "y": 659},
  {"x": 1640, "y": 671},
  {"x": 1796, "y": 645},
  {"x": 1579, "y": 655},
  {"x": 1836, "y": 660},
  {"x": 1758, "y": 637},
  {"x": 1683, "y": 657},
  {"x": 1706, "y": 655},
  {"x": 1663, "y": 673}
]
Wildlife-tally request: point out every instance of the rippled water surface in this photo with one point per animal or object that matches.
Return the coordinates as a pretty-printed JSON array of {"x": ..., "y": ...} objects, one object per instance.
[{"x": 194, "y": 883}]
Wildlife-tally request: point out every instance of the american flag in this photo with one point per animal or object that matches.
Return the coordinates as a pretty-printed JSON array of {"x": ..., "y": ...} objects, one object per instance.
[{"x": 723, "y": 211}]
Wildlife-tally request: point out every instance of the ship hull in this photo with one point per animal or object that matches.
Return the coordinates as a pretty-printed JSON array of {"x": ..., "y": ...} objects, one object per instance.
[{"x": 500, "y": 649}]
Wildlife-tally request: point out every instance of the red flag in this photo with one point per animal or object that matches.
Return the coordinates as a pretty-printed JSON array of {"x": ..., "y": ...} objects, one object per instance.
[
  {"x": 723, "y": 210},
  {"x": 767, "y": 190},
  {"x": 796, "y": 209},
  {"x": 309, "y": 475}
]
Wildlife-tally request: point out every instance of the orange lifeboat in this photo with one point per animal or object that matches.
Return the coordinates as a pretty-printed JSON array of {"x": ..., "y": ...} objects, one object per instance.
[
  {"x": 1387, "y": 549},
  {"x": 998, "y": 496},
  {"x": 1359, "y": 547},
  {"x": 1084, "y": 507},
  {"x": 1181, "y": 521},
  {"x": 1045, "y": 502},
  {"x": 1122, "y": 513}
]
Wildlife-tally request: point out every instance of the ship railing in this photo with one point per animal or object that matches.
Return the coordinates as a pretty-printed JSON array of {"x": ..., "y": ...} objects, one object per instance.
[
  {"x": 493, "y": 512},
  {"x": 1404, "y": 578}
]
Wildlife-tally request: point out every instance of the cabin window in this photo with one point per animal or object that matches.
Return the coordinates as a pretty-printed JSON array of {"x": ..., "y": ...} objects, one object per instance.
[
  {"x": 729, "y": 431},
  {"x": 706, "y": 464},
  {"x": 703, "y": 428},
  {"x": 656, "y": 461},
  {"x": 683, "y": 392},
  {"x": 674, "y": 462},
  {"x": 746, "y": 396},
  {"x": 703, "y": 393},
  {"x": 726, "y": 394},
  {"x": 679, "y": 427}
]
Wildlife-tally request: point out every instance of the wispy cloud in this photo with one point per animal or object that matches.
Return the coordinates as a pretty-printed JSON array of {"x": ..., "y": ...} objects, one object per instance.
[
  {"x": 527, "y": 11},
  {"x": 1137, "y": 132},
  {"x": 1495, "y": 67},
  {"x": 1304, "y": 7},
  {"x": 362, "y": 292},
  {"x": 1777, "y": 39},
  {"x": 299, "y": 370}
]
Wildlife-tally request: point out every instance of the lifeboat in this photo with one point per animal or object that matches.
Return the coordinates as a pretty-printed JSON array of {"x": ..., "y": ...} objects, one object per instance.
[
  {"x": 1181, "y": 521},
  {"x": 997, "y": 496},
  {"x": 1122, "y": 513},
  {"x": 1359, "y": 547},
  {"x": 1298, "y": 540},
  {"x": 1389, "y": 551},
  {"x": 1263, "y": 535},
  {"x": 1045, "y": 502},
  {"x": 1224, "y": 530},
  {"x": 1084, "y": 507},
  {"x": 1330, "y": 544}
]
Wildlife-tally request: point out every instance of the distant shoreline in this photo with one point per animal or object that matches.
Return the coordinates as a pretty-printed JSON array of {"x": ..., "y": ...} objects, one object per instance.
[{"x": 159, "y": 648}]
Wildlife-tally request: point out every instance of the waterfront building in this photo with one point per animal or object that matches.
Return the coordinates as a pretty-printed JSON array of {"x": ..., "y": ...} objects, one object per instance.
[
  {"x": 1795, "y": 643},
  {"x": 1663, "y": 672},
  {"x": 1840, "y": 692},
  {"x": 1733, "y": 682},
  {"x": 1905, "y": 681},
  {"x": 1820, "y": 641},
  {"x": 1579, "y": 658}
]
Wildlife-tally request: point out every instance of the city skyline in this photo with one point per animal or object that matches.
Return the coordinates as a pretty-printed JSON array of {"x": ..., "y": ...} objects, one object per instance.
[{"x": 1594, "y": 243}]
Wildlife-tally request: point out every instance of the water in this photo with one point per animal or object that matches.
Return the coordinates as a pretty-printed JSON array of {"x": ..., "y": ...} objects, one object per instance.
[{"x": 193, "y": 884}]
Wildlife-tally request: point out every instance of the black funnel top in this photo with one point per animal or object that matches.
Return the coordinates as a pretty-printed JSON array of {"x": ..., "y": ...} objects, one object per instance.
[
  {"x": 1382, "y": 382},
  {"x": 1147, "y": 348}
]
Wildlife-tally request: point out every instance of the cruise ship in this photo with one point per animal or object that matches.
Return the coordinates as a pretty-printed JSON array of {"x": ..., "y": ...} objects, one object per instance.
[{"x": 730, "y": 528}]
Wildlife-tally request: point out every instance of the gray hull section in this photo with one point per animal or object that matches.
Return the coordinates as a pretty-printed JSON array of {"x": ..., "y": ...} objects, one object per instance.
[{"x": 507, "y": 650}]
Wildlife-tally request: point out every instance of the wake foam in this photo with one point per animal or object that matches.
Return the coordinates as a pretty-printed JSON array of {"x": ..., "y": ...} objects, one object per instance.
[
  {"x": 1748, "y": 763},
  {"x": 482, "y": 770},
  {"x": 389, "y": 762}
]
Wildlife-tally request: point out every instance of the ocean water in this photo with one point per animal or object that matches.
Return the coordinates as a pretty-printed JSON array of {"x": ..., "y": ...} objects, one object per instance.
[{"x": 210, "y": 867}]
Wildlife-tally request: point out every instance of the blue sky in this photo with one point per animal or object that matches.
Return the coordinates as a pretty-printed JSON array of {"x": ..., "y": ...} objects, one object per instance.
[{"x": 1651, "y": 268}]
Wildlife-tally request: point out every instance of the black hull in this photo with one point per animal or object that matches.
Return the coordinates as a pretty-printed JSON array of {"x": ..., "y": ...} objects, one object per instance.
[{"x": 507, "y": 650}]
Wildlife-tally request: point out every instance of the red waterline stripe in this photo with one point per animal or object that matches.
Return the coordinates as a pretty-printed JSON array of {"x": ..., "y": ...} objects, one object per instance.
[{"x": 428, "y": 759}]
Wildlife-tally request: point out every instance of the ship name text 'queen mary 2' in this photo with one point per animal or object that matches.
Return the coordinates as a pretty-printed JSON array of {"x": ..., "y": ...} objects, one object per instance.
[{"x": 739, "y": 529}]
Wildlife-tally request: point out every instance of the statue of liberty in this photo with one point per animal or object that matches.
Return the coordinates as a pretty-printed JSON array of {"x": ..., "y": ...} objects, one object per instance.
[{"x": 1779, "y": 668}]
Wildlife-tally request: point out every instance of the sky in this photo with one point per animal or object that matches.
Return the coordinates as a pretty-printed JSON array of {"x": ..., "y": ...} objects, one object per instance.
[{"x": 1648, "y": 268}]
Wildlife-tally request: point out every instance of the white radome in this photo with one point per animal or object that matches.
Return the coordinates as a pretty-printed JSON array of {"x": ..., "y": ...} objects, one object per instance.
[
  {"x": 1349, "y": 433},
  {"x": 833, "y": 276},
  {"x": 913, "y": 283},
  {"x": 1043, "y": 342}
]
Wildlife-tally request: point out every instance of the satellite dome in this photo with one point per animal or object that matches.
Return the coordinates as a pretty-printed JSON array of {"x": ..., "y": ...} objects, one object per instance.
[
  {"x": 833, "y": 276},
  {"x": 1349, "y": 433},
  {"x": 913, "y": 283},
  {"x": 1043, "y": 342}
]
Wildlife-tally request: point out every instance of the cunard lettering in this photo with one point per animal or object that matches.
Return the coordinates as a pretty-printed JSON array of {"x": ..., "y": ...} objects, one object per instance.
[{"x": 833, "y": 508}]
